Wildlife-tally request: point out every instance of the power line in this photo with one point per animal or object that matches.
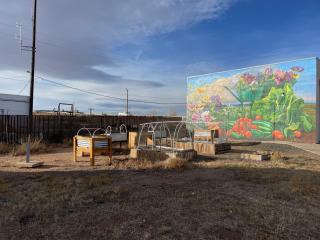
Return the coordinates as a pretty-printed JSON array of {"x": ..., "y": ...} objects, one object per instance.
[
  {"x": 24, "y": 87},
  {"x": 107, "y": 96},
  {"x": 94, "y": 93}
]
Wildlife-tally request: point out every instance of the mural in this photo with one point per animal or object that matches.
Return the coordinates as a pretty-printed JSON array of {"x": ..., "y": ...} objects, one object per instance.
[{"x": 275, "y": 101}]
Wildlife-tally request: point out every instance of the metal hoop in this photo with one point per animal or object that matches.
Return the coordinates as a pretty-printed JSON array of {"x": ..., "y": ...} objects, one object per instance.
[
  {"x": 108, "y": 130},
  {"x": 123, "y": 126},
  {"x": 97, "y": 131},
  {"x": 81, "y": 129}
]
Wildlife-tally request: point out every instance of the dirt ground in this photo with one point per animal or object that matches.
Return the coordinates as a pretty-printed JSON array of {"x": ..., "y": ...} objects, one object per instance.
[{"x": 217, "y": 197}]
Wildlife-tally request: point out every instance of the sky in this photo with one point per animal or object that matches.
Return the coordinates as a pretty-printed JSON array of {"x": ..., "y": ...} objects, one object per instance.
[{"x": 146, "y": 46}]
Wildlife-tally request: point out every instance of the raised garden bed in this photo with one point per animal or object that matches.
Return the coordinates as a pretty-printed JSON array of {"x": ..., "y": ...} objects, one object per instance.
[{"x": 257, "y": 156}]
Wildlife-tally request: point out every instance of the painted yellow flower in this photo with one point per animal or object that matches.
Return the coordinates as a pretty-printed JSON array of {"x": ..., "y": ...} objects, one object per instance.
[
  {"x": 206, "y": 99},
  {"x": 200, "y": 90},
  {"x": 199, "y": 106},
  {"x": 295, "y": 75}
]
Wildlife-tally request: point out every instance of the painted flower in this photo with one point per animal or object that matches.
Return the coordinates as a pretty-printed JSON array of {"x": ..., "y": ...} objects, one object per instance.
[
  {"x": 191, "y": 106},
  {"x": 216, "y": 100},
  {"x": 268, "y": 71},
  {"x": 206, "y": 116},
  {"x": 199, "y": 106},
  {"x": 206, "y": 99},
  {"x": 297, "y": 69},
  {"x": 295, "y": 75},
  {"x": 195, "y": 117},
  {"x": 280, "y": 74},
  {"x": 283, "y": 76},
  {"x": 200, "y": 90},
  {"x": 248, "y": 78}
]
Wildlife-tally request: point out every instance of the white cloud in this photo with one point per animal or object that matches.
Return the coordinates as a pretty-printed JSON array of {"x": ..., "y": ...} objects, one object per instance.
[{"x": 77, "y": 36}]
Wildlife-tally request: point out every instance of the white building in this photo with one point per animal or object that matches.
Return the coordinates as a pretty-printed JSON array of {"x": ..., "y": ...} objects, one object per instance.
[{"x": 14, "y": 104}]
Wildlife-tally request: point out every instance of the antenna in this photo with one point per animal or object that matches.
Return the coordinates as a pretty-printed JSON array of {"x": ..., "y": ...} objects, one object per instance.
[
  {"x": 19, "y": 35},
  {"x": 19, "y": 38}
]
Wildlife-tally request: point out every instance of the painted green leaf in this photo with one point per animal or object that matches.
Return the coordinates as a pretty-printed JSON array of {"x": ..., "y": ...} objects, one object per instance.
[
  {"x": 306, "y": 124},
  {"x": 293, "y": 127}
]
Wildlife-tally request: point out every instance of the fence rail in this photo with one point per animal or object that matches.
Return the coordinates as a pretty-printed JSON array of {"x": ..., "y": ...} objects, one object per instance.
[{"x": 14, "y": 128}]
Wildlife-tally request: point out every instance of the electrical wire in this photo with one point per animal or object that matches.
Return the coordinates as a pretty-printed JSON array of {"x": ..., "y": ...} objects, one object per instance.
[
  {"x": 24, "y": 87},
  {"x": 92, "y": 92},
  {"x": 107, "y": 96}
]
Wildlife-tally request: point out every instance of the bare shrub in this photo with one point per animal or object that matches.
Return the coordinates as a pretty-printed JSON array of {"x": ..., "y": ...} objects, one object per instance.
[
  {"x": 174, "y": 163},
  {"x": 141, "y": 164},
  {"x": 134, "y": 164},
  {"x": 278, "y": 156}
]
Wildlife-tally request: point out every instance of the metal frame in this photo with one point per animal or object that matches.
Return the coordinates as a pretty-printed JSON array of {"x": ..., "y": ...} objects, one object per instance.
[{"x": 163, "y": 127}]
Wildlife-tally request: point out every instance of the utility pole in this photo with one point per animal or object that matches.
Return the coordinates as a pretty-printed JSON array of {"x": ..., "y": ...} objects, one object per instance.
[
  {"x": 91, "y": 110},
  {"x": 127, "y": 107},
  {"x": 33, "y": 49},
  {"x": 33, "y": 62}
]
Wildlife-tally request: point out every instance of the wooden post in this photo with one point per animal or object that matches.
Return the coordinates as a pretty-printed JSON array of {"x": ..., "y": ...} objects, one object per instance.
[
  {"x": 92, "y": 151},
  {"x": 75, "y": 149},
  {"x": 110, "y": 149}
]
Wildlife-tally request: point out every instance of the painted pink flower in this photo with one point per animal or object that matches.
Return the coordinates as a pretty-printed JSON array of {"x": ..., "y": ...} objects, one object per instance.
[
  {"x": 268, "y": 71},
  {"x": 248, "y": 78},
  {"x": 289, "y": 76},
  {"x": 190, "y": 106},
  {"x": 283, "y": 76},
  {"x": 206, "y": 116},
  {"x": 280, "y": 74},
  {"x": 195, "y": 117}
]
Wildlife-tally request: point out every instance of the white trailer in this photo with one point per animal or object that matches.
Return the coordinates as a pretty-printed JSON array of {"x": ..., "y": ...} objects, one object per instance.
[{"x": 14, "y": 104}]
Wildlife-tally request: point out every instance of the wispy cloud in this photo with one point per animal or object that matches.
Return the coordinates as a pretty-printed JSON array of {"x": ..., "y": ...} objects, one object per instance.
[{"x": 76, "y": 40}]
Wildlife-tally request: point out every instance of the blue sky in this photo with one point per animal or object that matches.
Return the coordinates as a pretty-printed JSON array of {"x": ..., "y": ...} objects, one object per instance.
[
  {"x": 251, "y": 32},
  {"x": 149, "y": 46}
]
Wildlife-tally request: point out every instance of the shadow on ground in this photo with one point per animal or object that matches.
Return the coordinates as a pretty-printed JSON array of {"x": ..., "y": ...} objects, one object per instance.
[{"x": 231, "y": 202}]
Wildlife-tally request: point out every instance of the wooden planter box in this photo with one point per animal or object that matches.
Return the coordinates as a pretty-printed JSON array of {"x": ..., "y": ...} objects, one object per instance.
[
  {"x": 206, "y": 148},
  {"x": 256, "y": 156},
  {"x": 97, "y": 145}
]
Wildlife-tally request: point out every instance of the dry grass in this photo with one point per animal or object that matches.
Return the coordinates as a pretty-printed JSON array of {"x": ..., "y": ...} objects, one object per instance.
[
  {"x": 212, "y": 198},
  {"x": 127, "y": 163},
  {"x": 37, "y": 146},
  {"x": 304, "y": 184},
  {"x": 260, "y": 176},
  {"x": 278, "y": 156},
  {"x": 5, "y": 148},
  {"x": 174, "y": 163}
]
